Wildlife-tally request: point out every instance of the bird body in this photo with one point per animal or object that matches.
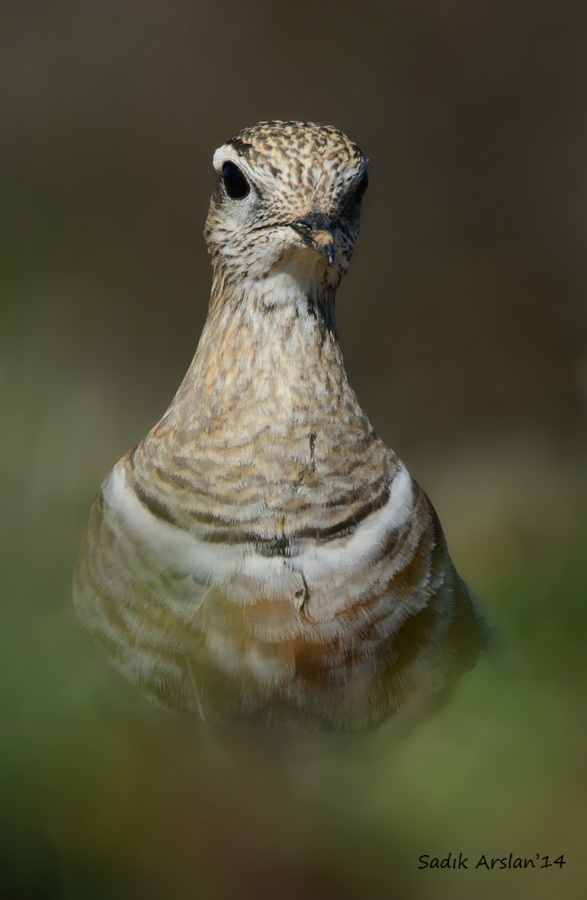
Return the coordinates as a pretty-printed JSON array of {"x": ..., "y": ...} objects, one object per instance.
[{"x": 261, "y": 556}]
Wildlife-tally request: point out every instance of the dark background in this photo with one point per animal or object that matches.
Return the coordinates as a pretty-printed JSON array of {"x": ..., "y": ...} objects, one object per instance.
[{"x": 463, "y": 321}]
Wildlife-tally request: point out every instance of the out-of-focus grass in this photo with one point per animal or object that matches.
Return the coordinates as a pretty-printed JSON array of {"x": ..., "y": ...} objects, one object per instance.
[{"x": 104, "y": 796}]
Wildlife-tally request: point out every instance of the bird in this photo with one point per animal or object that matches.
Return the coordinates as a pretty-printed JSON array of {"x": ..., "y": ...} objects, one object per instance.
[{"x": 261, "y": 558}]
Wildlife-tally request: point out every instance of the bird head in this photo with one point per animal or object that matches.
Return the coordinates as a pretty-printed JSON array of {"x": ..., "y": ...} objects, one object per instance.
[{"x": 287, "y": 200}]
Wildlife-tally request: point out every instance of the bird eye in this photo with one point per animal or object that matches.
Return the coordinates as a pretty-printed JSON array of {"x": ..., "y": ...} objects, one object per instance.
[
  {"x": 235, "y": 183},
  {"x": 362, "y": 186}
]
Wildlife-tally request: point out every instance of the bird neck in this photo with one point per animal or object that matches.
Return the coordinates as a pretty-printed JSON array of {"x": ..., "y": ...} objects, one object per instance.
[
  {"x": 267, "y": 394},
  {"x": 267, "y": 336}
]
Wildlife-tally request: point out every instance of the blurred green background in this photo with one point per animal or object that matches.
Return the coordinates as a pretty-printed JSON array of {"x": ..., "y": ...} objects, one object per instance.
[{"x": 463, "y": 321}]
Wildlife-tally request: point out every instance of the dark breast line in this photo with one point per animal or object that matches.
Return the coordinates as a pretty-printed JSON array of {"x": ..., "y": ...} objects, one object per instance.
[{"x": 278, "y": 545}]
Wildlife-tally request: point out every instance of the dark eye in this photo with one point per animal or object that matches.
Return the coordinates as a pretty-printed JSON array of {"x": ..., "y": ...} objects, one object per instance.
[
  {"x": 235, "y": 183},
  {"x": 362, "y": 186}
]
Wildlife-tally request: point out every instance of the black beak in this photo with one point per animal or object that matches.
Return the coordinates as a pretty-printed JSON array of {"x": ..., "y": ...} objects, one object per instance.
[{"x": 316, "y": 231}]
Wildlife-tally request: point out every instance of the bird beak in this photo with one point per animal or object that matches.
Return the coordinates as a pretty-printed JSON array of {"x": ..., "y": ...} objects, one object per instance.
[{"x": 316, "y": 230}]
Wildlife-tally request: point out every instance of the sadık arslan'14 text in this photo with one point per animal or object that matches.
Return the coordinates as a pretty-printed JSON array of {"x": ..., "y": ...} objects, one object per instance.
[{"x": 511, "y": 861}]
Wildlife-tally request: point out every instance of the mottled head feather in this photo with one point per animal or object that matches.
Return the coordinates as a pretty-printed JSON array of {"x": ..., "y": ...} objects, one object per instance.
[
  {"x": 303, "y": 155},
  {"x": 294, "y": 171}
]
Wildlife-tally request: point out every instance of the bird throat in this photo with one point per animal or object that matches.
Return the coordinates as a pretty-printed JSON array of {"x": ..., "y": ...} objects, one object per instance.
[{"x": 271, "y": 348}]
